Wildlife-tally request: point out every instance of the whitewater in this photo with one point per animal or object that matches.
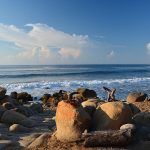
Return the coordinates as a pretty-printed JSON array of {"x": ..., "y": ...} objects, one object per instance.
[{"x": 41, "y": 79}]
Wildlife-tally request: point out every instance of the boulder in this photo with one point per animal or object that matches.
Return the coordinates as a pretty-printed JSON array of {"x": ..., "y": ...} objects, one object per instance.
[
  {"x": 24, "y": 97},
  {"x": 52, "y": 102},
  {"x": 9, "y": 145},
  {"x": 128, "y": 126},
  {"x": 142, "y": 106},
  {"x": 133, "y": 108},
  {"x": 90, "y": 106},
  {"x": 18, "y": 128},
  {"x": 8, "y": 105},
  {"x": 45, "y": 97},
  {"x": 24, "y": 110},
  {"x": 2, "y": 110},
  {"x": 37, "y": 107},
  {"x": 142, "y": 119},
  {"x": 145, "y": 145},
  {"x": 136, "y": 97},
  {"x": 87, "y": 93},
  {"x": 12, "y": 117},
  {"x": 111, "y": 115},
  {"x": 28, "y": 123},
  {"x": 8, "y": 99},
  {"x": 71, "y": 121},
  {"x": 13, "y": 95},
  {"x": 2, "y": 92}
]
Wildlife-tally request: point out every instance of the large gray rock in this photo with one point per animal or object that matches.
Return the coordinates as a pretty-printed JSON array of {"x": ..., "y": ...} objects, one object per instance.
[
  {"x": 12, "y": 117},
  {"x": 2, "y": 92},
  {"x": 2, "y": 110},
  {"x": 142, "y": 119},
  {"x": 37, "y": 107},
  {"x": 8, "y": 144}
]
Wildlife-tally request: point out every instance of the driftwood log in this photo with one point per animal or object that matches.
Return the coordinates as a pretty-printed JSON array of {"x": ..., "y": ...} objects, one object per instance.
[
  {"x": 110, "y": 94},
  {"x": 107, "y": 138}
]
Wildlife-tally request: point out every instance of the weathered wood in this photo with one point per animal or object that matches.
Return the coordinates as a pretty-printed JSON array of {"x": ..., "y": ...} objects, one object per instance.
[
  {"x": 110, "y": 94},
  {"x": 107, "y": 138}
]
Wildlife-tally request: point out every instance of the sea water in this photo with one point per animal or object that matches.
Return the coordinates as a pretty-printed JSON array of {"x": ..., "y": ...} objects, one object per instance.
[{"x": 40, "y": 79}]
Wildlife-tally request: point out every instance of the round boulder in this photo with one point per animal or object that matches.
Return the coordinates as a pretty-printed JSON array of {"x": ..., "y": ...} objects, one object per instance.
[
  {"x": 136, "y": 97},
  {"x": 111, "y": 115}
]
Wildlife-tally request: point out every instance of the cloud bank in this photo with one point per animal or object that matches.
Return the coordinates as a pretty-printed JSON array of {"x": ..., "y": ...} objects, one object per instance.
[
  {"x": 148, "y": 48},
  {"x": 43, "y": 43}
]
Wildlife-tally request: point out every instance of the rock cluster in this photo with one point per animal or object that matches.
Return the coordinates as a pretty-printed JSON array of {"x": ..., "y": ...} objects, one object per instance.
[{"x": 82, "y": 120}]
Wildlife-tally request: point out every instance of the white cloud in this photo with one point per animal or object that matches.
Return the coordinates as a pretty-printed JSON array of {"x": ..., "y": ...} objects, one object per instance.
[
  {"x": 148, "y": 48},
  {"x": 111, "y": 54},
  {"x": 65, "y": 52},
  {"x": 39, "y": 42}
]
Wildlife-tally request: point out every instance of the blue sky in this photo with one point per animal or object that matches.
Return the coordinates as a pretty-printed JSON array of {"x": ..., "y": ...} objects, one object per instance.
[{"x": 74, "y": 31}]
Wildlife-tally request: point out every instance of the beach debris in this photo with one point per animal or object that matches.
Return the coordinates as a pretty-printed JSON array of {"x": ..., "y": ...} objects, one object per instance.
[
  {"x": 111, "y": 115},
  {"x": 136, "y": 97},
  {"x": 110, "y": 94},
  {"x": 108, "y": 138},
  {"x": 71, "y": 121}
]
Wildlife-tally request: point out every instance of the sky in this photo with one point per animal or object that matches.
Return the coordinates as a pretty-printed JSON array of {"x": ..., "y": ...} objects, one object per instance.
[{"x": 74, "y": 32}]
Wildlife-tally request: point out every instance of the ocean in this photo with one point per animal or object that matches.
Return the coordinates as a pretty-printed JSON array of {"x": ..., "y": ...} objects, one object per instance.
[{"x": 40, "y": 79}]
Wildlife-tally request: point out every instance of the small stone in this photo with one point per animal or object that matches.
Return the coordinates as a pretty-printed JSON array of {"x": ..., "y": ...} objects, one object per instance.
[
  {"x": 18, "y": 128},
  {"x": 128, "y": 126}
]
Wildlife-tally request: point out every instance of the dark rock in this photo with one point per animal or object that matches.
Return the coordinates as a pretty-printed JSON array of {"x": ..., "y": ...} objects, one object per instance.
[
  {"x": 24, "y": 110},
  {"x": 24, "y": 97},
  {"x": 2, "y": 110},
  {"x": 8, "y": 99},
  {"x": 142, "y": 119},
  {"x": 86, "y": 93},
  {"x": 45, "y": 97},
  {"x": 2, "y": 92},
  {"x": 13, "y": 95},
  {"x": 37, "y": 107},
  {"x": 8, "y": 105}
]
